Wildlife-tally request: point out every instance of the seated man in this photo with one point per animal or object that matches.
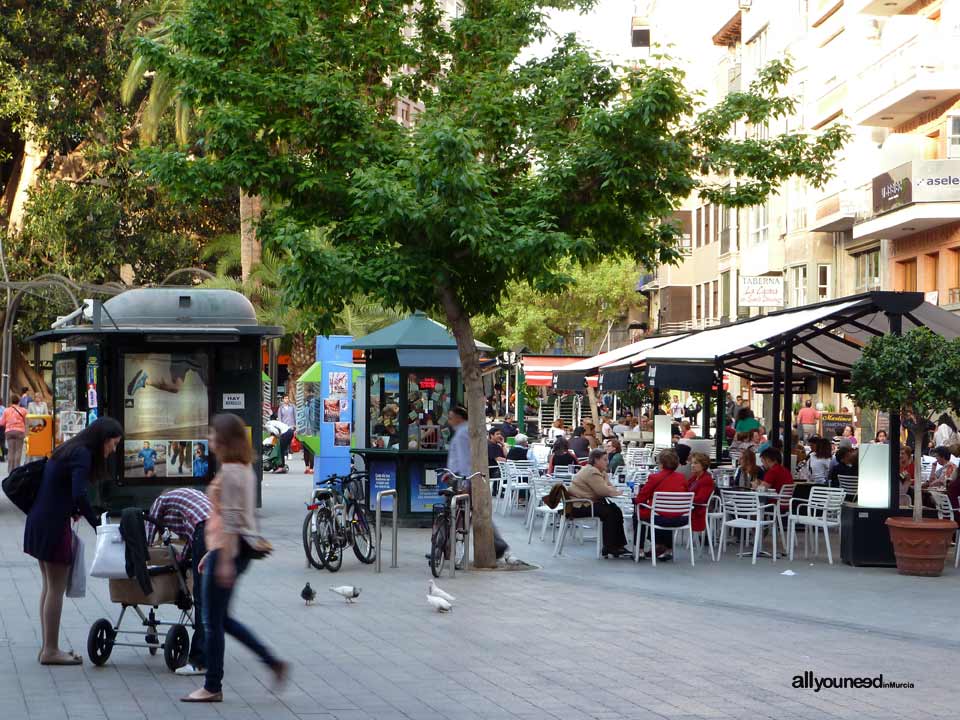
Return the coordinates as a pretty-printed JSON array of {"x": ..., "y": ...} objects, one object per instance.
[
  {"x": 846, "y": 464},
  {"x": 591, "y": 483},
  {"x": 520, "y": 449}
]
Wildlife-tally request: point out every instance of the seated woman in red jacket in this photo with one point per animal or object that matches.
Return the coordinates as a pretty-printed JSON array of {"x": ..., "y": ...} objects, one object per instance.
[
  {"x": 775, "y": 475},
  {"x": 667, "y": 480},
  {"x": 701, "y": 485}
]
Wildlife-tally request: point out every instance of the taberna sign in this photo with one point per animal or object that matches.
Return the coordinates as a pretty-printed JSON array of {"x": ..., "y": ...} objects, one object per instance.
[
  {"x": 916, "y": 182},
  {"x": 761, "y": 291}
]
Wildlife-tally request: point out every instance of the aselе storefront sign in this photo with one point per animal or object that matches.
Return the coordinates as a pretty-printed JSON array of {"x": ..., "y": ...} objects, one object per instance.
[
  {"x": 917, "y": 181},
  {"x": 761, "y": 291}
]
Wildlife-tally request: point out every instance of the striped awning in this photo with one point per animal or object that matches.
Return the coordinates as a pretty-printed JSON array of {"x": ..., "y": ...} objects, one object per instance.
[{"x": 538, "y": 369}]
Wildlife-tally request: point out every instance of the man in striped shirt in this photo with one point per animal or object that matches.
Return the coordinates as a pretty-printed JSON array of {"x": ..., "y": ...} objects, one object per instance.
[{"x": 184, "y": 512}]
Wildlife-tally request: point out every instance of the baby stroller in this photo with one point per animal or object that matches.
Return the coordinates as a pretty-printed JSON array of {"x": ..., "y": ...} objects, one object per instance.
[
  {"x": 168, "y": 575},
  {"x": 271, "y": 452}
]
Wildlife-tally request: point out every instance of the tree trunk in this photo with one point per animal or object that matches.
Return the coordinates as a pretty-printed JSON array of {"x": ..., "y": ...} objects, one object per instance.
[
  {"x": 480, "y": 499},
  {"x": 250, "y": 249},
  {"x": 302, "y": 355},
  {"x": 594, "y": 411},
  {"x": 917, "y": 475},
  {"x": 33, "y": 157}
]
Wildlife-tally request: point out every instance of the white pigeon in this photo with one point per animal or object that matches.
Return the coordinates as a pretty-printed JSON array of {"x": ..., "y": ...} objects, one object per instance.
[
  {"x": 348, "y": 592},
  {"x": 439, "y": 604},
  {"x": 434, "y": 590}
]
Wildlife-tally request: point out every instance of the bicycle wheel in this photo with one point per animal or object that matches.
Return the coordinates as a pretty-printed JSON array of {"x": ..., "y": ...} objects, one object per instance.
[
  {"x": 438, "y": 550},
  {"x": 325, "y": 540},
  {"x": 309, "y": 544},
  {"x": 361, "y": 533}
]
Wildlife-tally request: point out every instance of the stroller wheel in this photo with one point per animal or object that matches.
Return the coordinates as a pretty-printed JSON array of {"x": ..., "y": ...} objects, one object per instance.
[
  {"x": 176, "y": 647},
  {"x": 100, "y": 641}
]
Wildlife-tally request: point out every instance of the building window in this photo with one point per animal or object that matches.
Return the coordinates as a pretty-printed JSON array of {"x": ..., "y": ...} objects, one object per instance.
[
  {"x": 715, "y": 304},
  {"x": 759, "y": 223},
  {"x": 707, "y": 224},
  {"x": 697, "y": 291},
  {"x": 953, "y": 276},
  {"x": 757, "y": 49},
  {"x": 907, "y": 275},
  {"x": 798, "y": 285},
  {"x": 868, "y": 270},
  {"x": 823, "y": 282},
  {"x": 953, "y": 136},
  {"x": 698, "y": 227}
]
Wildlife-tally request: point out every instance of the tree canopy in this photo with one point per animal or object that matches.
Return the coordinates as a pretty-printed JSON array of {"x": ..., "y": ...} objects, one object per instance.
[{"x": 513, "y": 171}]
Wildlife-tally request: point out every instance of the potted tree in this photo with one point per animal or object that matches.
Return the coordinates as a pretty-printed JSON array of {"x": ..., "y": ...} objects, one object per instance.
[{"x": 919, "y": 372}]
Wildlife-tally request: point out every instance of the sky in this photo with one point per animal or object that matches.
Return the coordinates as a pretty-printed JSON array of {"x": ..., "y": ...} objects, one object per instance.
[{"x": 686, "y": 25}]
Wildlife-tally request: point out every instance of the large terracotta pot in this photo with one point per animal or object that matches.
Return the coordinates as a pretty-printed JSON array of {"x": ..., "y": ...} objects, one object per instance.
[{"x": 920, "y": 547}]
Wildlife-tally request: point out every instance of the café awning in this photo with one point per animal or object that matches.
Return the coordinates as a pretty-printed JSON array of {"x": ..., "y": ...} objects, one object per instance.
[
  {"x": 627, "y": 355},
  {"x": 826, "y": 338}
]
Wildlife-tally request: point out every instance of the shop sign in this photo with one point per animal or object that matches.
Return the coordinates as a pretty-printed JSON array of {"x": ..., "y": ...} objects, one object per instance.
[
  {"x": 761, "y": 291},
  {"x": 893, "y": 189},
  {"x": 916, "y": 182}
]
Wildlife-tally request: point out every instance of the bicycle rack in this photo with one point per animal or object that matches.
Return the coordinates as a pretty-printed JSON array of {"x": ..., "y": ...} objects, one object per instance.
[
  {"x": 468, "y": 519},
  {"x": 393, "y": 550}
]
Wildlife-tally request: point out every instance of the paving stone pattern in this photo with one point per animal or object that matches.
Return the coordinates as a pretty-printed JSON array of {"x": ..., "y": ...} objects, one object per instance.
[{"x": 577, "y": 639}]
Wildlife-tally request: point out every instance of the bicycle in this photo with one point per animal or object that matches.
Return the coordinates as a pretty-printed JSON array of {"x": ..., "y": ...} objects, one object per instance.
[
  {"x": 440, "y": 534},
  {"x": 335, "y": 519}
]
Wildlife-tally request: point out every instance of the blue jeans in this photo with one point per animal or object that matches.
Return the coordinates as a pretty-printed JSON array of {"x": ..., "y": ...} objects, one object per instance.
[{"x": 217, "y": 621}]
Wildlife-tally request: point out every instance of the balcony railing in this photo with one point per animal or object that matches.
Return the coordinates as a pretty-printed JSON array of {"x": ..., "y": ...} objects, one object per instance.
[
  {"x": 733, "y": 78},
  {"x": 926, "y": 56}
]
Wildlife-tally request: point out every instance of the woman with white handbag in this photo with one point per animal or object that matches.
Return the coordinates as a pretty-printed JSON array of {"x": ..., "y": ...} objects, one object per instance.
[{"x": 47, "y": 535}]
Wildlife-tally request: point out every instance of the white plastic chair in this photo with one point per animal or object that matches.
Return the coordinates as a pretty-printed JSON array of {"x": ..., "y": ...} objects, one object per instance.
[
  {"x": 564, "y": 473},
  {"x": 575, "y": 524},
  {"x": 715, "y": 515},
  {"x": 541, "y": 487},
  {"x": 675, "y": 503},
  {"x": 744, "y": 511},
  {"x": 945, "y": 511},
  {"x": 849, "y": 483},
  {"x": 783, "y": 503},
  {"x": 820, "y": 512},
  {"x": 517, "y": 474}
]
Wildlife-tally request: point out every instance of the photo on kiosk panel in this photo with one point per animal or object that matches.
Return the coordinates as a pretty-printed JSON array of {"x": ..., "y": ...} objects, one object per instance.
[
  {"x": 166, "y": 395},
  {"x": 144, "y": 459}
]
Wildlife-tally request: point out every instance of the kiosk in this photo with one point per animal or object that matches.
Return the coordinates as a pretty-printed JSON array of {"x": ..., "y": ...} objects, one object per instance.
[
  {"x": 412, "y": 380},
  {"x": 162, "y": 361}
]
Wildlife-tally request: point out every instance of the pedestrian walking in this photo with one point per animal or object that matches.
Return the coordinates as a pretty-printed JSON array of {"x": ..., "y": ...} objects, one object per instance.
[
  {"x": 14, "y": 421},
  {"x": 232, "y": 495},
  {"x": 73, "y": 467},
  {"x": 184, "y": 512}
]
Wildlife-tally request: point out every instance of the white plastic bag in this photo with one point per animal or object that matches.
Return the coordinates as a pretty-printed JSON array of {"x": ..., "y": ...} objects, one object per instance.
[
  {"x": 77, "y": 579},
  {"x": 110, "y": 556}
]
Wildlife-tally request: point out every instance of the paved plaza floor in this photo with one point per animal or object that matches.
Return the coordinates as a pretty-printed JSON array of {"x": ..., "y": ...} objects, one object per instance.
[{"x": 578, "y": 638}]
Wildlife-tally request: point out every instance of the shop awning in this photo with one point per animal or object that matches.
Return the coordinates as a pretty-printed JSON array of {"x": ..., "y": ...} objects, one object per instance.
[
  {"x": 613, "y": 379},
  {"x": 428, "y": 358},
  {"x": 538, "y": 369},
  {"x": 312, "y": 374}
]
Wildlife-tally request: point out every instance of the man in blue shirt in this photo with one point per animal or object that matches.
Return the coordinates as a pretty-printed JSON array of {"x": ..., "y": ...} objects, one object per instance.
[
  {"x": 149, "y": 457},
  {"x": 458, "y": 461}
]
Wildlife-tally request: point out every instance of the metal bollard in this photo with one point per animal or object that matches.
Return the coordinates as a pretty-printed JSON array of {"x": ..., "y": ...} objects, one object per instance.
[
  {"x": 454, "y": 506},
  {"x": 380, "y": 495}
]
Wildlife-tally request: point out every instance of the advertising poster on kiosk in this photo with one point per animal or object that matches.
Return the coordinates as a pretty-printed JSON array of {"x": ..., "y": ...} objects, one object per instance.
[{"x": 166, "y": 414}]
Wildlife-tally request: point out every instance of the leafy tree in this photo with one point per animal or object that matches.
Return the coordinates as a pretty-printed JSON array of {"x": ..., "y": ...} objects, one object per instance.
[
  {"x": 514, "y": 172},
  {"x": 597, "y": 294},
  {"x": 916, "y": 372}
]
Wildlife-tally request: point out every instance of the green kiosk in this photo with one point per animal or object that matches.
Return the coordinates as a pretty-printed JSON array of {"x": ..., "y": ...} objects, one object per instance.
[
  {"x": 412, "y": 379},
  {"x": 162, "y": 361}
]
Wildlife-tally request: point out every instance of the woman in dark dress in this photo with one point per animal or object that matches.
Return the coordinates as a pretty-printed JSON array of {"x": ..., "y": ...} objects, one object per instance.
[{"x": 62, "y": 495}]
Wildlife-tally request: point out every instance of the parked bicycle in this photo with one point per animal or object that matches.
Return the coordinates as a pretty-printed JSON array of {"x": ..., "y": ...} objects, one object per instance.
[
  {"x": 337, "y": 518},
  {"x": 440, "y": 535}
]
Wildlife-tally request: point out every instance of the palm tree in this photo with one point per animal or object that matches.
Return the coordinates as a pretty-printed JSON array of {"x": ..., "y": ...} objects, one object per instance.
[{"x": 153, "y": 21}]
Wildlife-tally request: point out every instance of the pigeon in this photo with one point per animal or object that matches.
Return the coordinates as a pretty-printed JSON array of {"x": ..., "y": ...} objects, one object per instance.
[
  {"x": 348, "y": 592},
  {"x": 434, "y": 590},
  {"x": 308, "y": 594},
  {"x": 439, "y": 604}
]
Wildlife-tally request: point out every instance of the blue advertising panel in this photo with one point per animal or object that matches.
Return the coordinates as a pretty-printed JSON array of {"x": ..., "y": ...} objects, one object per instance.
[
  {"x": 334, "y": 407},
  {"x": 383, "y": 476},
  {"x": 424, "y": 487}
]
